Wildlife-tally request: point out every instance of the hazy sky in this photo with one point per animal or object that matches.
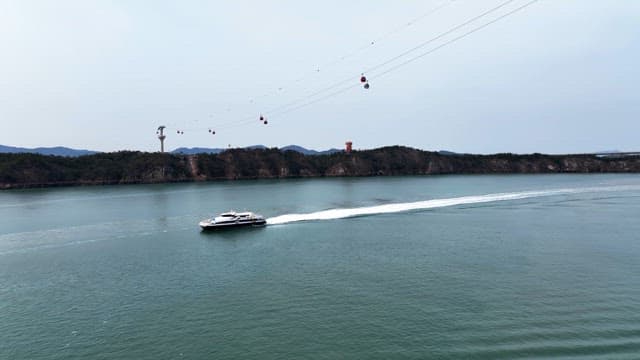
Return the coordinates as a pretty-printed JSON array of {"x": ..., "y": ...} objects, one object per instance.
[{"x": 559, "y": 76}]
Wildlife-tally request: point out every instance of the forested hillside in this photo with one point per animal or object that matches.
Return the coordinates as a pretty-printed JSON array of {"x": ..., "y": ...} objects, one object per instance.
[{"x": 125, "y": 167}]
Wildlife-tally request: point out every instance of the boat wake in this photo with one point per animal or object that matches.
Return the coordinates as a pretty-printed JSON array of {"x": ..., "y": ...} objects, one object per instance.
[{"x": 435, "y": 203}]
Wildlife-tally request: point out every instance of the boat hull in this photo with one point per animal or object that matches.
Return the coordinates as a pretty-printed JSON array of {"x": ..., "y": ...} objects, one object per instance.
[{"x": 208, "y": 226}]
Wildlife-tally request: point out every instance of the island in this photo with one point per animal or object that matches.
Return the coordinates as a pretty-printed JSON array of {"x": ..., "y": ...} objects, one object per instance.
[{"x": 25, "y": 170}]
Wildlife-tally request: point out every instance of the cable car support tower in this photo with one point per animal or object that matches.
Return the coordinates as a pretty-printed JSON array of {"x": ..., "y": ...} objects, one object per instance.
[{"x": 161, "y": 136}]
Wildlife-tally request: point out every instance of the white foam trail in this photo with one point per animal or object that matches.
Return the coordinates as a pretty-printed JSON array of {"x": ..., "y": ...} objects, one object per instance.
[{"x": 435, "y": 203}]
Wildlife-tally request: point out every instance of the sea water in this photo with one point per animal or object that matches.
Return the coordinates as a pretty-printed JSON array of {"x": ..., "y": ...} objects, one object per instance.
[{"x": 484, "y": 267}]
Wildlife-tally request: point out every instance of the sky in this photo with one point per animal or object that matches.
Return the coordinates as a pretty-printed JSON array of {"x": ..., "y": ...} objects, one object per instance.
[{"x": 559, "y": 76}]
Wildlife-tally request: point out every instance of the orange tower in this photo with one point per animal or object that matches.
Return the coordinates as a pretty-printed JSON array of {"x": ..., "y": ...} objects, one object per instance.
[{"x": 348, "y": 147}]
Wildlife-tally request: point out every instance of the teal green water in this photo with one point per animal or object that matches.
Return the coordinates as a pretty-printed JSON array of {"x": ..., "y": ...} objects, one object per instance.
[{"x": 123, "y": 272}]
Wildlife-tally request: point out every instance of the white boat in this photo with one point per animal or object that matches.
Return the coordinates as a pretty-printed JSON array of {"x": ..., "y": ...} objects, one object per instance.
[{"x": 233, "y": 219}]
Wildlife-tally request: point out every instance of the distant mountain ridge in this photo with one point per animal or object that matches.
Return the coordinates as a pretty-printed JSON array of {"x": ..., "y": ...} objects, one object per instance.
[
  {"x": 65, "y": 151},
  {"x": 304, "y": 151},
  {"x": 296, "y": 148},
  {"x": 57, "y": 150},
  {"x": 197, "y": 150}
]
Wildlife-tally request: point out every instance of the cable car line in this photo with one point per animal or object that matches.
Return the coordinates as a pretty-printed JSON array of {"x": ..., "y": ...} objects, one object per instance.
[
  {"x": 455, "y": 28},
  {"x": 342, "y": 90},
  {"x": 369, "y": 44},
  {"x": 456, "y": 38},
  {"x": 406, "y": 62},
  {"x": 376, "y": 70},
  {"x": 390, "y": 33},
  {"x": 294, "y": 103}
]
